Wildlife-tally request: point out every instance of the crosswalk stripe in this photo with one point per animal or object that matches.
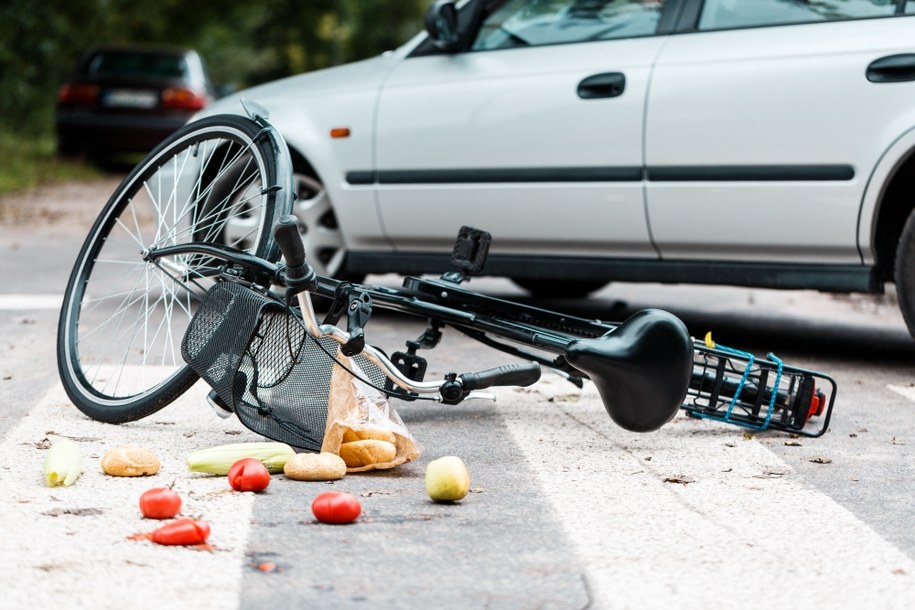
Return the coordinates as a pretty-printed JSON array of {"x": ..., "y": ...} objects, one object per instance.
[
  {"x": 29, "y": 302},
  {"x": 696, "y": 515},
  {"x": 908, "y": 390},
  {"x": 69, "y": 547}
]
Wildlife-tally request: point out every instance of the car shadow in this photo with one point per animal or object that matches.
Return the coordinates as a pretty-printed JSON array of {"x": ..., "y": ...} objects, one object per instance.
[
  {"x": 803, "y": 329},
  {"x": 761, "y": 331}
]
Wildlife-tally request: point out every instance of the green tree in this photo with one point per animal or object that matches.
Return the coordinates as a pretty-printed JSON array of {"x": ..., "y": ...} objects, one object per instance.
[{"x": 243, "y": 42}]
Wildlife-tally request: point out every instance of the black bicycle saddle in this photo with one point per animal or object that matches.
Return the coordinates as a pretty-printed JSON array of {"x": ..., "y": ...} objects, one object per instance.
[{"x": 641, "y": 369}]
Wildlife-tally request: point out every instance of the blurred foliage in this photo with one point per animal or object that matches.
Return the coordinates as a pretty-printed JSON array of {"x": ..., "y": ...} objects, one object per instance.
[
  {"x": 242, "y": 42},
  {"x": 27, "y": 162}
]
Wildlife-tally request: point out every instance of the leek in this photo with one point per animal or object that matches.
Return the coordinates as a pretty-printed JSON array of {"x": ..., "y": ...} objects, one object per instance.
[
  {"x": 63, "y": 463},
  {"x": 219, "y": 459}
]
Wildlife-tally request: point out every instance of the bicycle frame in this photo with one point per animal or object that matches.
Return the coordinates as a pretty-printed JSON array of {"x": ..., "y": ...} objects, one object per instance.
[{"x": 724, "y": 384}]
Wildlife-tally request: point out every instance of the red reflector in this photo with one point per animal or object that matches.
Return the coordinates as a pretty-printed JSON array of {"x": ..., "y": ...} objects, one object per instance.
[
  {"x": 77, "y": 94},
  {"x": 182, "y": 98},
  {"x": 817, "y": 404}
]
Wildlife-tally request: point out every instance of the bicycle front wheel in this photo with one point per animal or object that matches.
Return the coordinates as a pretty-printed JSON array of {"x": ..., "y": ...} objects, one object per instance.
[{"x": 124, "y": 316}]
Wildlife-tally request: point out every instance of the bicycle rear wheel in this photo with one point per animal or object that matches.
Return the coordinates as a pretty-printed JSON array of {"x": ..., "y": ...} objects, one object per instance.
[{"x": 123, "y": 316}]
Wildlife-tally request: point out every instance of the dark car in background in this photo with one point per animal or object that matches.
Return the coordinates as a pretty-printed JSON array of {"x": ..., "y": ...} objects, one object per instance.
[{"x": 128, "y": 98}]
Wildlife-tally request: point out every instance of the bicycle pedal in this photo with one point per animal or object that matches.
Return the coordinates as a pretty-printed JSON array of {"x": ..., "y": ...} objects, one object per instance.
[
  {"x": 218, "y": 405},
  {"x": 470, "y": 250},
  {"x": 412, "y": 366}
]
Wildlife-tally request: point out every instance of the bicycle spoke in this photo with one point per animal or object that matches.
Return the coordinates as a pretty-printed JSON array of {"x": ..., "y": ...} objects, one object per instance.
[{"x": 126, "y": 313}]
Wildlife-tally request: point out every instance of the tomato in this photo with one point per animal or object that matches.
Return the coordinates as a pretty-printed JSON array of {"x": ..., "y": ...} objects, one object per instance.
[
  {"x": 182, "y": 532},
  {"x": 336, "y": 507},
  {"x": 160, "y": 503},
  {"x": 249, "y": 474}
]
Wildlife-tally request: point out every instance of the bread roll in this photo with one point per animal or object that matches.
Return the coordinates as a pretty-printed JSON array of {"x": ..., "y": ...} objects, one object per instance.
[
  {"x": 365, "y": 434},
  {"x": 315, "y": 467},
  {"x": 357, "y": 454},
  {"x": 127, "y": 461}
]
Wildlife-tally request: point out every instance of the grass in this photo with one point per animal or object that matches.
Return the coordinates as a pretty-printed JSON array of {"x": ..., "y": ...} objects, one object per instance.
[{"x": 28, "y": 161}]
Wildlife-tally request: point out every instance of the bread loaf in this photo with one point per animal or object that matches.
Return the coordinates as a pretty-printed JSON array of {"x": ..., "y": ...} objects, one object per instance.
[
  {"x": 315, "y": 467},
  {"x": 127, "y": 461},
  {"x": 357, "y": 454},
  {"x": 365, "y": 434}
]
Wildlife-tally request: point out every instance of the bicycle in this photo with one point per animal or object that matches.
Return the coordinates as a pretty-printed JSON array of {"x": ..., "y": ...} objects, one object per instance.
[{"x": 180, "y": 277}]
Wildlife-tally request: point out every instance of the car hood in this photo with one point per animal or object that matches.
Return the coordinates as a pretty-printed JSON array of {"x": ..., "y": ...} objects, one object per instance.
[{"x": 357, "y": 76}]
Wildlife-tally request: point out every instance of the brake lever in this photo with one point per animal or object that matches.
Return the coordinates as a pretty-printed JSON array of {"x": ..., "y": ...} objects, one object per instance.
[
  {"x": 477, "y": 395},
  {"x": 358, "y": 313}
]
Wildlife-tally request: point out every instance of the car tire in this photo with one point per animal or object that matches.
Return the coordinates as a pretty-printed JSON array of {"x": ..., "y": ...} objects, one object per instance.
[
  {"x": 559, "y": 289},
  {"x": 905, "y": 273},
  {"x": 322, "y": 238}
]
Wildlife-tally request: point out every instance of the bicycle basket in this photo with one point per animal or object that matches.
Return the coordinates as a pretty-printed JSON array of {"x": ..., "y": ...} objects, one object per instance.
[{"x": 262, "y": 363}]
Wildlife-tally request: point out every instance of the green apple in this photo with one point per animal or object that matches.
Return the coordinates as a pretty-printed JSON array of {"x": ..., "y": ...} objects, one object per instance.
[{"x": 447, "y": 479}]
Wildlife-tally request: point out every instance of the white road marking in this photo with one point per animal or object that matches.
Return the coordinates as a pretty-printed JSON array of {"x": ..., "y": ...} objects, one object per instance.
[
  {"x": 68, "y": 547},
  {"x": 697, "y": 516},
  {"x": 691, "y": 516},
  {"x": 908, "y": 390},
  {"x": 27, "y": 302}
]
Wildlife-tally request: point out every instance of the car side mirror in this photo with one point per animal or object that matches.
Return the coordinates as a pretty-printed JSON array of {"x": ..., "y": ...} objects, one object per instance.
[{"x": 442, "y": 25}]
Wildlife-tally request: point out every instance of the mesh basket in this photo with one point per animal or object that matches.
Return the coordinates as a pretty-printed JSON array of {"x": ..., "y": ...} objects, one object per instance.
[{"x": 256, "y": 354}]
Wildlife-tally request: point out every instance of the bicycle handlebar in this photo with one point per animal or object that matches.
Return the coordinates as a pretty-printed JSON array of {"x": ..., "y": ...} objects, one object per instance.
[
  {"x": 458, "y": 387},
  {"x": 286, "y": 233},
  {"x": 509, "y": 374}
]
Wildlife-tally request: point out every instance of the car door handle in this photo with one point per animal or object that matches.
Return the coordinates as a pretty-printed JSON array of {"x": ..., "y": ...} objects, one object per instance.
[
  {"x": 892, "y": 69},
  {"x": 608, "y": 84}
]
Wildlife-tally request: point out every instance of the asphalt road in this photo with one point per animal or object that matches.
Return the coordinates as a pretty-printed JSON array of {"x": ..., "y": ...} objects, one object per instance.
[{"x": 567, "y": 510}]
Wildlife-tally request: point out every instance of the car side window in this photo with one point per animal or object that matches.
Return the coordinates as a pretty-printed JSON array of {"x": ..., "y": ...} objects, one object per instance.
[
  {"x": 521, "y": 23},
  {"x": 726, "y": 14},
  {"x": 139, "y": 64}
]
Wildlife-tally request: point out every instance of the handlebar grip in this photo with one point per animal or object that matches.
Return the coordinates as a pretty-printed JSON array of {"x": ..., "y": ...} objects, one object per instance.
[
  {"x": 286, "y": 233},
  {"x": 508, "y": 374}
]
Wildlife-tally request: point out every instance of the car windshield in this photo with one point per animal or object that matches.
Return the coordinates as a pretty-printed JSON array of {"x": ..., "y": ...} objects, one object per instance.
[{"x": 138, "y": 64}]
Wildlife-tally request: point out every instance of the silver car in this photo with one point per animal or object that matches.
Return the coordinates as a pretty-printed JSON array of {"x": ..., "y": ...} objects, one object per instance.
[{"x": 765, "y": 143}]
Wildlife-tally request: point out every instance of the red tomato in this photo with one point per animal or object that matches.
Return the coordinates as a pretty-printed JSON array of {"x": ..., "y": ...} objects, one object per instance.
[
  {"x": 336, "y": 507},
  {"x": 249, "y": 474},
  {"x": 181, "y": 532},
  {"x": 160, "y": 503}
]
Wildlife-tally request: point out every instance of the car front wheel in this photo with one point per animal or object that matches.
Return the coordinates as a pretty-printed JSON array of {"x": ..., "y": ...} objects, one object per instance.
[
  {"x": 321, "y": 236},
  {"x": 905, "y": 273}
]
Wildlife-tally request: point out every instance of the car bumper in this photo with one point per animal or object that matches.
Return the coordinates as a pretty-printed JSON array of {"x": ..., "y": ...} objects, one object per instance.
[{"x": 115, "y": 133}]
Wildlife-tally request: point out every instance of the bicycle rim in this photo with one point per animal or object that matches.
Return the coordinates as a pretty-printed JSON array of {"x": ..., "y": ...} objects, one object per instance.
[{"x": 123, "y": 316}]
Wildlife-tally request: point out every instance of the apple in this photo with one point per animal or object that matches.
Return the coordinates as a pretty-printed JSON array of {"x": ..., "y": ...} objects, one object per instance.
[{"x": 447, "y": 479}]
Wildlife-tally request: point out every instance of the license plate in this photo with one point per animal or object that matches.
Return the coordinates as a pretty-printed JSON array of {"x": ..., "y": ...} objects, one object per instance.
[{"x": 127, "y": 98}]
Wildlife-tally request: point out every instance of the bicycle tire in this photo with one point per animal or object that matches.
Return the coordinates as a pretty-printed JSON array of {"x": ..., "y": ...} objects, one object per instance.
[{"x": 123, "y": 316}]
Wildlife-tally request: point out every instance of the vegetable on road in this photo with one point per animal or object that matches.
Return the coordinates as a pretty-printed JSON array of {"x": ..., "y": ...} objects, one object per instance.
[
  {"x": 63, "y": 463},
  {"x": 336, "y": 507},
  {"x": 447, "y": 479},
  {"x": 182, "y": 532},
  {"x": 248, "y": 474},
  {"x": 219, "y": 459},
  {"x": 160, "y": 503}
]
